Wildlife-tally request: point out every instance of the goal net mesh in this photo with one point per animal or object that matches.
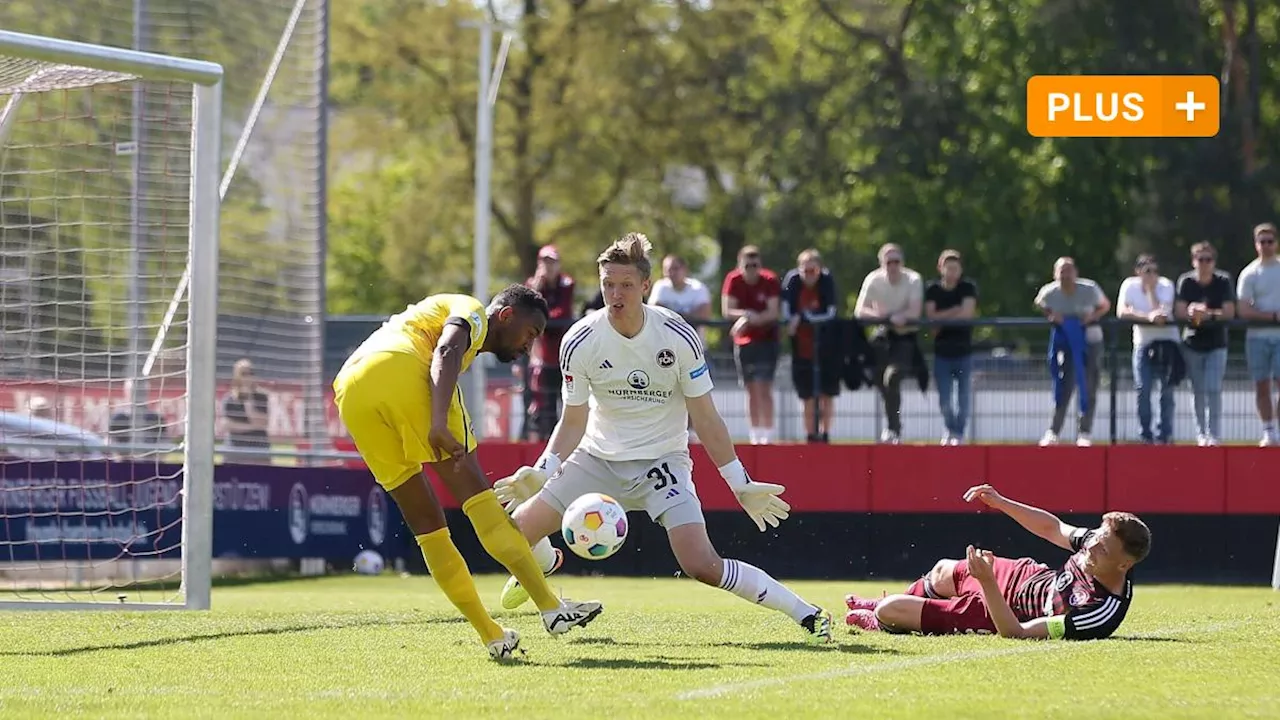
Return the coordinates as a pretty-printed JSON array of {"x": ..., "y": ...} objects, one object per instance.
[
  {"x": 95, "y": 187},
  {"x": 68, "y": 341}
]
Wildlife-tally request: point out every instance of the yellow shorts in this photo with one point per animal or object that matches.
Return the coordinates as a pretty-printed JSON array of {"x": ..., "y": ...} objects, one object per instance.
[{"x": 384, "y": 401}]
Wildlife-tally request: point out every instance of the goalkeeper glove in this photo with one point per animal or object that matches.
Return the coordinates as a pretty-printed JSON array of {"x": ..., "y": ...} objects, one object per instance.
[
  {"x": 760, "y": 500},
  {"x": 527, "y": 481}
]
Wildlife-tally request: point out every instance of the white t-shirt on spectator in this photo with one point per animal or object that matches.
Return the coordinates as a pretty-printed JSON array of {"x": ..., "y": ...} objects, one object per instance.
[
  {"x": 1131, "y": 294},
  {"x": 693, "y": 295}
]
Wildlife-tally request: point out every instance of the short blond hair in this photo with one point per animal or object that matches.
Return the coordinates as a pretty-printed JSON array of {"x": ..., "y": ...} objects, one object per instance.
[
  {"x": 887, "y": 248},
  {"x": 630, "y": 249},
  {"x": 807, "y": 255}
]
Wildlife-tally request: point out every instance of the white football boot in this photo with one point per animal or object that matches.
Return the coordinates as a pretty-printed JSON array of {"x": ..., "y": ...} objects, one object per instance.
[
  {"x": 505, "y": 647},
  {"x": 570, "y": 615}
]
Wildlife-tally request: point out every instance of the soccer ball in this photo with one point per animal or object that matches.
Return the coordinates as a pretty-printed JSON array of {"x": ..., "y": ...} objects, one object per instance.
[
  {"x": 369, "y": 562},
  {"x": 594, "y": 526}
]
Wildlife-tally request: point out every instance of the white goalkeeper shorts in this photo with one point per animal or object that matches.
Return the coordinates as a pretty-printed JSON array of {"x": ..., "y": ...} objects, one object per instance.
[{"x": 663, "y": 488}]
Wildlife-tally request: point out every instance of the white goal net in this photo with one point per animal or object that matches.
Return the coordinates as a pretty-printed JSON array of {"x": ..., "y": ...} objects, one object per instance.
[{"x": 109, "y": 164}]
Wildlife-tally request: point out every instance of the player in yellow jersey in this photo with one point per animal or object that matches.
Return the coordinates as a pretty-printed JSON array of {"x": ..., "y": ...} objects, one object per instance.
[{"x": 399, "y": 398}]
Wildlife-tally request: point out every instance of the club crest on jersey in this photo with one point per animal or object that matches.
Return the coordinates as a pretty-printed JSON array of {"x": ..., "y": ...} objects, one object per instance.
[
  {"x": 638, "y": 379},
  {"x": 1063, "y": 582},
  {"x": 1079, "y": 597},
  {"x": 666, "y": 358},
  {"x": 568, "y": 381}
]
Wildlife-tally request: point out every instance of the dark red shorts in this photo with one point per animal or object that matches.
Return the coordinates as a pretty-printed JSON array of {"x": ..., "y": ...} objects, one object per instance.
[{"x": 966, "y": 612}]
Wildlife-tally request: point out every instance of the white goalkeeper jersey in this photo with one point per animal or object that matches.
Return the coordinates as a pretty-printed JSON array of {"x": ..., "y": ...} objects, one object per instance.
[{"x": 635, "y": 387}]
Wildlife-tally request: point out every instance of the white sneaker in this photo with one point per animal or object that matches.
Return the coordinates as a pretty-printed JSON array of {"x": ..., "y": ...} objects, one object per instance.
[
  {"x": 570, "y": 615},
  {"x": 1211, "y": 441},
  {"x": 890, "y": 437},
  {"x": 956, "y": 440},
  {"x": 506, "y": 646},
  {"x": 1050, "y": 438},
  {"x": 1269, "y": 439},
  {"x": 947, "y": 439},
  {"x": 1202, "y": 440},
  {"x": 1084, "y": 440}
]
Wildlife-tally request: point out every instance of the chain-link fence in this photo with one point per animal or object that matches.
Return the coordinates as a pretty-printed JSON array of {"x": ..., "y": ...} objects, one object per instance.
[{"x": 1011, "y": 401}]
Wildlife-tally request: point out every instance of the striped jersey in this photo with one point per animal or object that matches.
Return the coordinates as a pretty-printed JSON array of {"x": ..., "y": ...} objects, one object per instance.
[
  {"x": 635, "y": 387},
  {"x": 1078, "y": 606}
]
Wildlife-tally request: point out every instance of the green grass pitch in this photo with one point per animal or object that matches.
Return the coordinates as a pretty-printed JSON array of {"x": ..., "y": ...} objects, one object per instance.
[{"x": 355, "y": 647}]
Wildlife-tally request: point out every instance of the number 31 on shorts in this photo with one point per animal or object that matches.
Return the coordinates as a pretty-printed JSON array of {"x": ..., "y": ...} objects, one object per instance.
[{"x": 661, "y": 476}]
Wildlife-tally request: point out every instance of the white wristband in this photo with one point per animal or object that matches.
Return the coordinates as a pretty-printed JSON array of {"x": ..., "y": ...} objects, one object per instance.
[
  {"x": 734, "y": 474},
  {"x": 548, "y": 463}
]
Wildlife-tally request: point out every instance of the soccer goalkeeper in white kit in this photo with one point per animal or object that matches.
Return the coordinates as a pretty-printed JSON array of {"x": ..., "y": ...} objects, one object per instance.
[{"x": 634, "y": 375}]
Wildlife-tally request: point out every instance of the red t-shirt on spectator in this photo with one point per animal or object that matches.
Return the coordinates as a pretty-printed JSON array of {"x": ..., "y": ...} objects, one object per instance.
[
  {"x": 559, "y": 297},
  {"x": 753, "y": 297}
]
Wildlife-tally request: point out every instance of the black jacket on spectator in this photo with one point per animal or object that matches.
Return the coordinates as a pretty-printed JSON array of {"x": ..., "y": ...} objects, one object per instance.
[
  {"x": 1167, "y": 361},
  {"x": 827, "y": 334},
  {"x": 860, "y": 357}
]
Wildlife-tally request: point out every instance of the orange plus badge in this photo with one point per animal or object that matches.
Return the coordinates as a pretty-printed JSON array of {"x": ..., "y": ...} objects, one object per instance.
[{"x": 1122, "y": 106}]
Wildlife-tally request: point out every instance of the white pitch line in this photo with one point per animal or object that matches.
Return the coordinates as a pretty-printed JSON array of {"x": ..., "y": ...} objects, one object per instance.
[{"x": 924, "y": 661}]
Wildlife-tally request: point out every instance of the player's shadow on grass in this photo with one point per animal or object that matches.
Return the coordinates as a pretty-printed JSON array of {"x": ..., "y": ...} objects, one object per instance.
[
  {"x": 227, "y": 634},
  {"x": 1151, "y": 639},
  {"x": 785, "y": 646},
  {"x": 647, "y": 664}
]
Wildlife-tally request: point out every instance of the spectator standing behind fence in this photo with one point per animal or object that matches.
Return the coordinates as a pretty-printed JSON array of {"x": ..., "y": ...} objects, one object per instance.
[
  {"x": 750, "y": 298},
  {"x": 809, "y": 304},
  {"x": 543, "y": 378},
  {"x": 1259, "y": 293},
  {"x": 678, "y": 292},
  {"x": 892, "y": 294},
  {"x": 952, "y": 297},
  {"x": 244, "y": 412},
  {"x": 1073, "y": 305},
  {"x": 1206, "y": 297},
  {"x": 1147, "y": 299}
]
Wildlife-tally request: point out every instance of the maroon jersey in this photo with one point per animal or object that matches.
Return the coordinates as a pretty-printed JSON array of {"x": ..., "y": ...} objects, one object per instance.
[
  {"x": 1079, "y": 607},
  {"x": 753, "y": 297},
  {"x": 559, "y": 296}
]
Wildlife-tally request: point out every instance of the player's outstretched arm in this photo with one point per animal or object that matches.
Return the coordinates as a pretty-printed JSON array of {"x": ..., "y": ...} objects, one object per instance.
[
  {"x": 760, "y": 500},
  {"x": 1039, "y": 522},
  {"x": 525, "y": 482}
]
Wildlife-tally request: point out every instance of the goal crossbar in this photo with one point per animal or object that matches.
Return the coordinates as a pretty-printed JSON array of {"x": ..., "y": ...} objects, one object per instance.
[
  {"x": 197, "y": 444},
  {"x": 145, "y": 65}
]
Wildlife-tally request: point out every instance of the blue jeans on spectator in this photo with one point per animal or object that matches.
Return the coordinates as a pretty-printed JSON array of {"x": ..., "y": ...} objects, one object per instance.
[
  {"x": 953, "y": 374},
  {"x": 1143, "y": 378},
  {"x": 1206, "y": 370}
]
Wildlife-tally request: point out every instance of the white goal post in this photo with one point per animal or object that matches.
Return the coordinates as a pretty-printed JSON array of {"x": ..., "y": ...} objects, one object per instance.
[{"x": 69, "y": 251}]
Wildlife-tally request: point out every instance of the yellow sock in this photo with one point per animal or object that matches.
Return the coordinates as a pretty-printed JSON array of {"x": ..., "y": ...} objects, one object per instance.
[
  {"x": 450, "y": 572},
  {"x": 501, "y": 539}
]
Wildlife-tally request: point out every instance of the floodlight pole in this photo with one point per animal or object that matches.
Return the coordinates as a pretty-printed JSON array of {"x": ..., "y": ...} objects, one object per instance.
[{"x": 481, "y": 275}]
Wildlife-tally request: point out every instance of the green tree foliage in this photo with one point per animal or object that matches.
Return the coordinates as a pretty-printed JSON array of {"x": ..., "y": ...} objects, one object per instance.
[{"x": 84, "y": 186}]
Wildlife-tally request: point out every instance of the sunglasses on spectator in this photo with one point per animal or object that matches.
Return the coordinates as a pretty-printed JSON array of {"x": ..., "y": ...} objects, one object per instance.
[
  {"x": 1267, "y": 241},
  {"x": 1204, "y": 258},
  {"x": 751, "y": 266},
  {"x": 1149, "y": 270},
  {"x": 893, "y": 261}
]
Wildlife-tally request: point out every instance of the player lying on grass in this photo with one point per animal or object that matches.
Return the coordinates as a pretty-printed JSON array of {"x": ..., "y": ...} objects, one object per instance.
[
  {"x": 398, "y": 396},
  {"x": 1086, "y": 599},
  {"x": 634, "y": 376}
]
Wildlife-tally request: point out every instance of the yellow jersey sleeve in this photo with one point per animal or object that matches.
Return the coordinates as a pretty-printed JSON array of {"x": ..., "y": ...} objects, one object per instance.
[
  {"x": 470, "y": 310},
  {"x": 417, "y": 329}
]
